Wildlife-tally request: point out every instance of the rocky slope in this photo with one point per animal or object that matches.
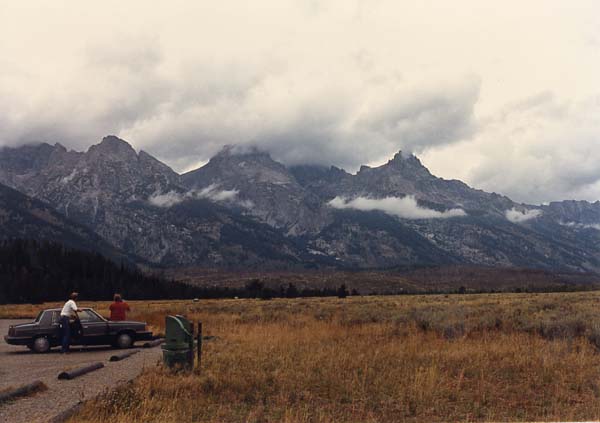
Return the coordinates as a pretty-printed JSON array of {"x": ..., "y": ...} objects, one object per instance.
[
  {"x": 22, "y": 217},
  {"x": 138, "y": 204},
  {"x": 245, "y": 209},
  {"x": 264, "y": 189}
]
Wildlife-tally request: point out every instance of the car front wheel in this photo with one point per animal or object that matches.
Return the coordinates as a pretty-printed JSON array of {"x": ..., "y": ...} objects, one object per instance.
[
  {"x": 124, "y": 340},
  {"x": 41, "y": 345}
]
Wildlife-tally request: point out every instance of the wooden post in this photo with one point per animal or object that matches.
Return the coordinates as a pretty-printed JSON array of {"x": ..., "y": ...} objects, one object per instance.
[
  {"x": 191, "y": 344},
  {"x": 199, "y": 352}
]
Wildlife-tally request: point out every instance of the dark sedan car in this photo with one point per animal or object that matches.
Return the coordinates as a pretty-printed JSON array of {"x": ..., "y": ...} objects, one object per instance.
[{"x": 90, "y": 329}]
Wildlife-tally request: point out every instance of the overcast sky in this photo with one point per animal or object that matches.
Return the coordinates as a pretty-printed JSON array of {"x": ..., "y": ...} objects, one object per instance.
[{"x": 504, "y": 95}]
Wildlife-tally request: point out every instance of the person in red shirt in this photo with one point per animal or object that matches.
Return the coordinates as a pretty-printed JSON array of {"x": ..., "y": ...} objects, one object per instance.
[{"x": 119, "y": 308}]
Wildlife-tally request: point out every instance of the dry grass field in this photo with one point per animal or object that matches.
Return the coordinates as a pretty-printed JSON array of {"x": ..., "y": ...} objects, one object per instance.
[{"x": 494, "y": 357}]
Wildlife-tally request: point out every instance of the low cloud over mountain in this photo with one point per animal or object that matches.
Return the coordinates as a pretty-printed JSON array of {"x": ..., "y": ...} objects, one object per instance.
[
  {"x": 211, "y": 192},
  {"x": 520, "y": 216},
  {"x": 405, "y": 208}
]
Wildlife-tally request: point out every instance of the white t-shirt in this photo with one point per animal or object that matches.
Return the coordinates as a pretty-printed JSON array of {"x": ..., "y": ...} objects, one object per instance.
[{"x": 69, "y": 309}]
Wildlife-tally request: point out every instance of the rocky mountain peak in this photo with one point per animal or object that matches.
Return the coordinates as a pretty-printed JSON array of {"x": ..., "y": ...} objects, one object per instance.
[
  {"x": 236, "y": 165},
  {"x": 245, "y": 207},
  {"x": 407, "y": 162},
  {"x": 59, "y": 147},
  {"x": 242, "y": 153},
  {"x": 276, "y": 196},
  {"x": 397, "y": 157},
  {"x": 114, "y": 148}
]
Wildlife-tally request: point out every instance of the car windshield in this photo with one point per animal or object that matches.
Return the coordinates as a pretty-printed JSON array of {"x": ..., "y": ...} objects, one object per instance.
[{"x": 39, "y": 317}]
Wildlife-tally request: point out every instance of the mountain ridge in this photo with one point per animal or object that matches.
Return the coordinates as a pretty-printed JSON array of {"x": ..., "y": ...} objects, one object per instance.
[{"x": 243, "y": 208}]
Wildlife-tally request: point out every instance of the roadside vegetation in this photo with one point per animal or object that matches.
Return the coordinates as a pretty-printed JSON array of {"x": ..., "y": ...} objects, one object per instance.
[{"x": 484, "y": 357}]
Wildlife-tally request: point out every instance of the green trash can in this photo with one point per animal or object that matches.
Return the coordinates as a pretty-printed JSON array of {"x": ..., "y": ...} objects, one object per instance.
[{"x": 178, "y": 349}]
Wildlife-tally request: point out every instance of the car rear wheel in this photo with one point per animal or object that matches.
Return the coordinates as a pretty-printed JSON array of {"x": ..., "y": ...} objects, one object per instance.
[
  {"x": 124, "y": 340},
  {"x": 41, "y": 345}
]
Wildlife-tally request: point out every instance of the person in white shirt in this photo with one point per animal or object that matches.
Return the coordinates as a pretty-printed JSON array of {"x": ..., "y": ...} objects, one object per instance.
[{"x": 69, "y": 310}]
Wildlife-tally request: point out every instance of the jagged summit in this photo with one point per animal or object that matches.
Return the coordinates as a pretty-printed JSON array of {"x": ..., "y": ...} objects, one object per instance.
[
  {"x": 113, "y": 140},
  {"x": 233, "y": 151},
  {"x": 114, "y": 147},
  {"x": 285, "y": 215},
  {"x": 403, "y": 160},
  {"x": 397, "y": 157}
]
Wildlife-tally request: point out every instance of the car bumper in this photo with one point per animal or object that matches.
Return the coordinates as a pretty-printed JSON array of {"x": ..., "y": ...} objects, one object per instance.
[
  {"x": 144, "y": 336},
  {"x": 17, "y": 340}
]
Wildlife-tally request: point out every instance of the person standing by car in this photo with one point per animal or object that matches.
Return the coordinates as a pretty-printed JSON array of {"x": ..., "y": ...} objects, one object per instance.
[
  {"x": 119, "y": 309},
  {"x": 68, "y": 311}
]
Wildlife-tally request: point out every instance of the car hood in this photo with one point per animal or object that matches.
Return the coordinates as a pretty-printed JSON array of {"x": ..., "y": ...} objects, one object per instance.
[{"x": 24, "y": 325}]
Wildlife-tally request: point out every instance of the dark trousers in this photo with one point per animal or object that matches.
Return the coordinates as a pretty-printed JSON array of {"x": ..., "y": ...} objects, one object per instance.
[{"x": 65, "y": 331}]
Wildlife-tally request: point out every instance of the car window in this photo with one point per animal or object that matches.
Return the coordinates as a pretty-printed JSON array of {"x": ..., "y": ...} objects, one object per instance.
[
  {"x": 55, "y": 317},
  {"x": 89, "y": 316},
  {"x": 39, "y": 317}
]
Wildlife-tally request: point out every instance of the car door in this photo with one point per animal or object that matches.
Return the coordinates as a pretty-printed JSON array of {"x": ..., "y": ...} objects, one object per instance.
[
  {"x": 94, "y": 328},
  {"x": 51, "y": 321}
]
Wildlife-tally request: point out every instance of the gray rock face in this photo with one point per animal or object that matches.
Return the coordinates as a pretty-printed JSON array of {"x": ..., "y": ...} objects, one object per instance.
[
  {"x": 96, "y": 188},
  {"x": 580, "y": 212},
  {"x": 405, "y": 175},
  {"x": 110, "y": 189},
  {"x": 266, "y": 190},
  {"x": 245, "y": 209},
  {"x": 27, "y": 218}
]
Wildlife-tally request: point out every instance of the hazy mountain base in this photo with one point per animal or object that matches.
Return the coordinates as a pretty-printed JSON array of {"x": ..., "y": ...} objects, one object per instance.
[{"x": 436, "y": 279}]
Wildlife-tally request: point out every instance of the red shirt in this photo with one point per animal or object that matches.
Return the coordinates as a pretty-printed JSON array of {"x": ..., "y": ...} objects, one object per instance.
[{"x": 118, "y": 309}]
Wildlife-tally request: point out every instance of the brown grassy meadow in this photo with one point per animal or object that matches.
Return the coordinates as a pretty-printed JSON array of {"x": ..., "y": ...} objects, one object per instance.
[{"x": 495, "y": 357}]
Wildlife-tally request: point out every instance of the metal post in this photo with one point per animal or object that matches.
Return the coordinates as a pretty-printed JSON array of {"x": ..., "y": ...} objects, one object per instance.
[{"x": 199, "y": 352}]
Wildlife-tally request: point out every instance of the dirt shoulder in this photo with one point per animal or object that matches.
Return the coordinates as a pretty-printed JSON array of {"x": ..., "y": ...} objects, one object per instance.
[{"x": 19, "y": 366}]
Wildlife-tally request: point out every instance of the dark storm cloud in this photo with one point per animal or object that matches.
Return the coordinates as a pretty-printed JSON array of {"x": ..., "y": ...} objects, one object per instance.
[{"x": 330, "y": 82}]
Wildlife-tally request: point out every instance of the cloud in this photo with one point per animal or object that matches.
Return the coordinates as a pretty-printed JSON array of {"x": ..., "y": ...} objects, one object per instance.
[
  {"x": 405, "y": 207},
  {"x": 303, "y": 117},
  {"x": 168, "y": 199},
  {"x": 329, "y": 82},
  {"x": 168, "y": 87},
  {"x": 539, "y": 149},
  {"x": 581, "y": 225},
  {"x": 210, "y": 192},
  {"x": 520, "y": 216}
]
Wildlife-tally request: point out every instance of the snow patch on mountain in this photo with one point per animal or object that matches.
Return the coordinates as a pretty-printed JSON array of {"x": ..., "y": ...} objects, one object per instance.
[{"x": 69, "y": 178}]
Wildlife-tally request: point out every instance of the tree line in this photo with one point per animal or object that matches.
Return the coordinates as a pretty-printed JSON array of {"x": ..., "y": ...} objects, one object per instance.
[{"x": 36, "y": 271}]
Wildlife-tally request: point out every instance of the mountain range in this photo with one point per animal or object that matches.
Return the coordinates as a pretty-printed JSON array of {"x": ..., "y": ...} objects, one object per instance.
[{"x": 244, "y": 209}]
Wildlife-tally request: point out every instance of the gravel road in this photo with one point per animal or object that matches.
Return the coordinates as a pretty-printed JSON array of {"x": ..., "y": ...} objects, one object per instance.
[{"x": 19, "y": 366}]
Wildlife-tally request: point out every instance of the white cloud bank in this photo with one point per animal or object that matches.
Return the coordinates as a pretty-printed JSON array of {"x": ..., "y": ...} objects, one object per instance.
[
  {"x": 520, "y": 216},
  {"x": 210, "y": 192},
  {"x": 331, "y": 82},
  {"x": 582, "y": 225},
  {"x": 405, "y": 207}
]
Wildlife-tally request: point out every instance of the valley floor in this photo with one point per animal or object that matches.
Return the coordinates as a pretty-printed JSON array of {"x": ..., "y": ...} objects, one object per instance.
[{"x": 489, "y": 357}]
